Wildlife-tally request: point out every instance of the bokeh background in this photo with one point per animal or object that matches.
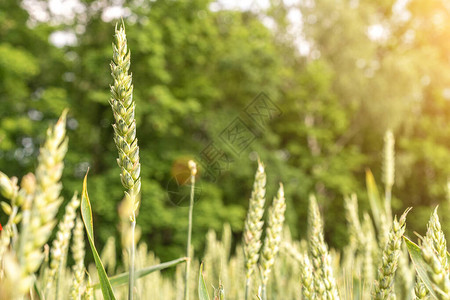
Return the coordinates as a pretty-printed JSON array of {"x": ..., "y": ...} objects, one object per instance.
[{"x": 340, "y": 72}]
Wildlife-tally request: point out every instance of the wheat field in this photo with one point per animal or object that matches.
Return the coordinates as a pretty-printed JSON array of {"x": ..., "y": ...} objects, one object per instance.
[{"x": 379, "y": 262}]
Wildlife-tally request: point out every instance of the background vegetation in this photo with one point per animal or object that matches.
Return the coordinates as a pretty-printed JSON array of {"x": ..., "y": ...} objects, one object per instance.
[{"x": 341, "y": 73}]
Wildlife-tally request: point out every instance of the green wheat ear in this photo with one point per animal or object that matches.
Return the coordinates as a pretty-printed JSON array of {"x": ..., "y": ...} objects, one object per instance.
[
  {"x": 123, "y": 106},
  {"x": 383, "y": 287}
]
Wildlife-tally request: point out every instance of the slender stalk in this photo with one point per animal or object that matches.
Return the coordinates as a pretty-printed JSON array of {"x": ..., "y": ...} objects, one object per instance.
[
  {"x": 263, "y": 292},
  {"x": 132, "y": 257},
  {"x": 193, "y": 168},
  {"x": 123, "y": 106},
  {"x": 388, "y": 201},
  {"x": 247, "y": 288},
  {"x": 388, "y": 170}
]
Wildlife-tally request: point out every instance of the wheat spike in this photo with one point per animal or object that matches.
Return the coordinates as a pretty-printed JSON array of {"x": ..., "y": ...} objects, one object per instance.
[
  {"x": 37, "y": 228},
  {"x": 78, "y": 253},
  {"x": 60, "y": 245},
  {"x": 273, "y": 236},
  {"x": 123, "y": 107},
  {"x": 389, "y": 262},
  {"x": 254, "y": 223},
  {"x": 420, "y": 291},
  {"x": 324, "y": 281},
  {"x": 437, "y": 238}
]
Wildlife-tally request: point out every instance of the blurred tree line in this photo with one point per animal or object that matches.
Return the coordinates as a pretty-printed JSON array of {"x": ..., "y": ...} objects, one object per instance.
[{"x": 336, "y": 75}]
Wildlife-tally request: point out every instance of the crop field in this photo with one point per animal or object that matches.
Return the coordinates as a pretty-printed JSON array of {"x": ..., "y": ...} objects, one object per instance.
[
  {"x": 379, "y": 262},
  {"x": 212, "y": 150}
]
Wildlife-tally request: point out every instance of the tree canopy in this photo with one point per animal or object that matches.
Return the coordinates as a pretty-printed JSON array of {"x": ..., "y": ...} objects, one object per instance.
[{"x": 315, "y": 117}]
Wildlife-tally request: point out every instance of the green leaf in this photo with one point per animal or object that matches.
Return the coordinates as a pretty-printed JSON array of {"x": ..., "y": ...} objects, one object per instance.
[
  {"x": 422, "y": 268},
  {"x": 86, "y": 214},
  {"x": 202, "y": 291},
  {"x": 123, "y": 277},
  {"x": 374, "y": 198}
]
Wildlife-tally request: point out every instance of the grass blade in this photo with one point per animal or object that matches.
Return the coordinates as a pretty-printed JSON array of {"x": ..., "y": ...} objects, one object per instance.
[
  {"x": 123, "y": 277},
  {"x": 420, "y": 265},
  {"x": 86, "y": 214},
  {"x": 202, "y": 291}
]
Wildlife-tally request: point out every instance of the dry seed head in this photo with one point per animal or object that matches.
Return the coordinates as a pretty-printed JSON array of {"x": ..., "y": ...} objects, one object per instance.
[
  {"x": 389, "y": 261},
  {"x": 47, "y": 198},
  {"x": 389, "y": 159},
  {"x": 254, "y": 223},
  {"x": 273, "y": 234},
  {"x": 192, "y": 167},
  {"x": 123, "y": 107}
]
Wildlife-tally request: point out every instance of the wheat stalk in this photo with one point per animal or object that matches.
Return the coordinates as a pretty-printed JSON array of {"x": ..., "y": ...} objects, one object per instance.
[
  {"x": 307, "y": 278},
  {"x": 60, "y": 246},
  {"x": 273, "y": 237},
  {"x": 436, "y": 237},
  {"x": 369, "y": 247},
  {"x": 123, "y": 107},
  {"x": 389, "y": 262},
  {"x": 89, "y": 293},
  {"x": 324, "y": 281},
  {"x": 38, "y": 225},
  {"x": 388, "y": 168},
  {"x": 253, "y": 225},
  {"x": 438, "y": 274},
  {"x": 78, "y": 253}
]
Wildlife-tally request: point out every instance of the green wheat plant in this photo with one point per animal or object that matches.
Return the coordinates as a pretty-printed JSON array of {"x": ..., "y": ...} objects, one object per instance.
[
  {"x": 123, "y": 107},
  {"x": 44, "y": 258},
  {"x": 253, "y": 226},
  {"x": 273, "y": 238}
]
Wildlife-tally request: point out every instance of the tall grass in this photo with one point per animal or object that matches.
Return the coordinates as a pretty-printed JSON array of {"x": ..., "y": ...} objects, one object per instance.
[{"x": 267, "y": 264}]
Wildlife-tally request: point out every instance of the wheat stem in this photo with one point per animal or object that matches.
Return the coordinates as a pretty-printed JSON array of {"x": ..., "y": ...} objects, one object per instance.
[
  {"x": 123, "y": 107},
  {"x": 40, "y": 211},
  {"x": 132, "y": 259},
  {"x": 388, "y": 170},
  {"x": 193, "y": 168}
]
